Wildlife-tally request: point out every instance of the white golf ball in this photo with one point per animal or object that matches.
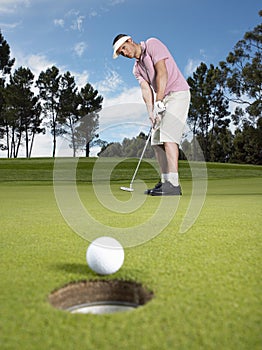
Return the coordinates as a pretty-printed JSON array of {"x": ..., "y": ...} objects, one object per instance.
[{"x": 105, "y": 255}]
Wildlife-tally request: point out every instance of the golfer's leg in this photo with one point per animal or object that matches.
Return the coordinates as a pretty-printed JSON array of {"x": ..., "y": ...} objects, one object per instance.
[
  {"x": 161, "y": 158},
  {"x": 171, "y": 184},
  {"x": 172, "y": 155}
]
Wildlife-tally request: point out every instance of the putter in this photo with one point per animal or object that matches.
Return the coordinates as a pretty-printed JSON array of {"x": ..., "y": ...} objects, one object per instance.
[{"x": 130, "y": 188}]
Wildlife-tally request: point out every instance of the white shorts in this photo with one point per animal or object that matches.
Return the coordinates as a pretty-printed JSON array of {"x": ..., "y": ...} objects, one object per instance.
[{"x": 173, "y": 121}]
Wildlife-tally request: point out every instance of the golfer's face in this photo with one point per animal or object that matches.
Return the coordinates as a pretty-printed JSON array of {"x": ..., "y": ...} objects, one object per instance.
[{"x": 126, "y": 49}]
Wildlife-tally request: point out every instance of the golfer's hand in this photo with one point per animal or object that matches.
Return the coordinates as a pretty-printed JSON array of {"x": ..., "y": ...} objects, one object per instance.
[
  {"x": 159, "y": 108},
  {"x": 152, "y": 118},
  {"x": 155, "y": 121}
]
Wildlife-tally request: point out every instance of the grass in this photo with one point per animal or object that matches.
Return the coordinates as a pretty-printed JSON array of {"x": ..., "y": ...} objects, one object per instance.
[{"x": 207, "y": 282}]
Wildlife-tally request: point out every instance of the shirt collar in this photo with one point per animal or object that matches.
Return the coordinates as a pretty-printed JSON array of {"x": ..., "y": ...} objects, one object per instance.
[{"x": 143, "y": 47}]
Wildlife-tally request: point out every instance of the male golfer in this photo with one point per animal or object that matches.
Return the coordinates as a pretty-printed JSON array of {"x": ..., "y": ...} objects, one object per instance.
[{"x": 167, "y": 97}]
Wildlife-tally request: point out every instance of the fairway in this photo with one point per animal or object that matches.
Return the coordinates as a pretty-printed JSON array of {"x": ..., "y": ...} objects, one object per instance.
[{"x": 206, "y": 282}]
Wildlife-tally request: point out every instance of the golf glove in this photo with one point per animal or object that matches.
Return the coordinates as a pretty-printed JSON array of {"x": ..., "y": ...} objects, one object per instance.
[{"x": 159, "y": 107}]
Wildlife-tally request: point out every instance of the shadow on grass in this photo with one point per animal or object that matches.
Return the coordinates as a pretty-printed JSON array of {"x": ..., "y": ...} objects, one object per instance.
[{"x": 81, "y": 269}]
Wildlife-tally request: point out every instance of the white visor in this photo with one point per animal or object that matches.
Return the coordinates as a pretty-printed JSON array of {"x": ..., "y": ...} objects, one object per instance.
[{"x": 118, "y": 43}]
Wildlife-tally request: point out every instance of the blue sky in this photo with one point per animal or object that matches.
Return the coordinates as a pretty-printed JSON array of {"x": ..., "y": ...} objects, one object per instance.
[{"x": 77, "y": 35}]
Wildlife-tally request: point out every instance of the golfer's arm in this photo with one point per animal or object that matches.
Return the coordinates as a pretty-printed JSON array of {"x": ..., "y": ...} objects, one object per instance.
[
  {"x": 148, "y": 97},
  {"x": 161, "y": 79}
]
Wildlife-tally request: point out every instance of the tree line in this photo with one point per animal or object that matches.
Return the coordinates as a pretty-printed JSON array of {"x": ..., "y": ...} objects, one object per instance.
[
  {"x": 128, "y": 148},
  {"x": 60, "y": 106},
  {"x": 238, "y": 80}
]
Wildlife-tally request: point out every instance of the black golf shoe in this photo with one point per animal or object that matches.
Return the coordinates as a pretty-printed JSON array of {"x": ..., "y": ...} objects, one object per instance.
[
  {"x": 158, "y": 185},
  {"x": 167, "y": 189}
]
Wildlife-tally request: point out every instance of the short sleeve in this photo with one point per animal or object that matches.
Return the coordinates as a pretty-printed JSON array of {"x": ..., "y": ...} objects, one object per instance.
[
  {"x": 157, "y": 50},
  {"x": 137, "y": 74}
]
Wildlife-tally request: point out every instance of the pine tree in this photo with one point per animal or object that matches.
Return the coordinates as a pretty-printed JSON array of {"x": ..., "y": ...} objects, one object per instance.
[
  {"x": 49, "y": 89},
  {"x": 5, "y": 68}
]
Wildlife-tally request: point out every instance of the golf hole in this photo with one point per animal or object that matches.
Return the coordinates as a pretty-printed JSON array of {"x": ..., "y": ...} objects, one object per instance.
[{"x": 100, "y": 296}]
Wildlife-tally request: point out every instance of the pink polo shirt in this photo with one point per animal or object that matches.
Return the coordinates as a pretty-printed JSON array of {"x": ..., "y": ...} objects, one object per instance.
[{"x": 153, "y": 50}]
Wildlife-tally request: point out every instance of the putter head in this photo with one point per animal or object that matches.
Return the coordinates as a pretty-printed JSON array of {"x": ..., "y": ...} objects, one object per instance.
[{"x": 128, "y": 189}]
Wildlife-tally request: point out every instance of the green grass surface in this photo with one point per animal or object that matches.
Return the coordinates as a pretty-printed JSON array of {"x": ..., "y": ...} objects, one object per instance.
[{"x": 206, "y": 282}]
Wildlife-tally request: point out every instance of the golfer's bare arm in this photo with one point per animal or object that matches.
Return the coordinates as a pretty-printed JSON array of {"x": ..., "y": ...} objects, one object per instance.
[
  {"x": 148, "y": 97},
  {"x": 161, "y": 82},
  {"x": 161, "y": 79}
]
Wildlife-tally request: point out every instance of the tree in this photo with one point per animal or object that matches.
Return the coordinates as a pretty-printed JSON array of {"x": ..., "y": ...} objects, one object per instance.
[
  {"x": 221, "y": 144},
  {"x": 247, "y": 145},
  {"x": 208, "y": 109},
  {"x": 49, "y": 90},
  {"x": 5, "y": 62},
  {"x": 112, "y": 149},
  {"x": 241, "y": 74},
  {"x": 200, "y": 110},
  {"x": 128, "y": 148},
  {"x": 68, "y": 111},
  {"x": 65, "y": 106},
  {"x": 21, "y": 112},
  {"x": 36, "y": 128},
  {"x": 5, "y": 68},
  {"x": 89, "y": 108}
]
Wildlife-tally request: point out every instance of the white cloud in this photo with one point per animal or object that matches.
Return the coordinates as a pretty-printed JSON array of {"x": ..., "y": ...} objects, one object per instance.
[
  {"x": 72, "y": 19},
  {"x": 111, "y": 83},
  {"x": 127, "y": 96},
  {"x": 116, "y": 2},
  {"x": 191, "y": 66},
  {"x": 121, "y": 118},
  {"x": 203, "y": 53},
  {"x": 36, "y": 63},
  {"x": 80, "y": 48},
  {"x": 127, "y": 107},
  {"x": 9, "y": 25},
  {"x": 81, "y": 79},
  {"x": 192, "y": 63},
  {"x": 78, "y": 23},
  {"x": 10, "y": 6},
  {"x": 93, "y": 13},
  {"x": 72, "y": 13},
  {"x": 59, "y": 22}
]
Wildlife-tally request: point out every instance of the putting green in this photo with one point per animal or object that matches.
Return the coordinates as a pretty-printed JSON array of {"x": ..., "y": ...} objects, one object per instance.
[{"x": 206, "y": 282}]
